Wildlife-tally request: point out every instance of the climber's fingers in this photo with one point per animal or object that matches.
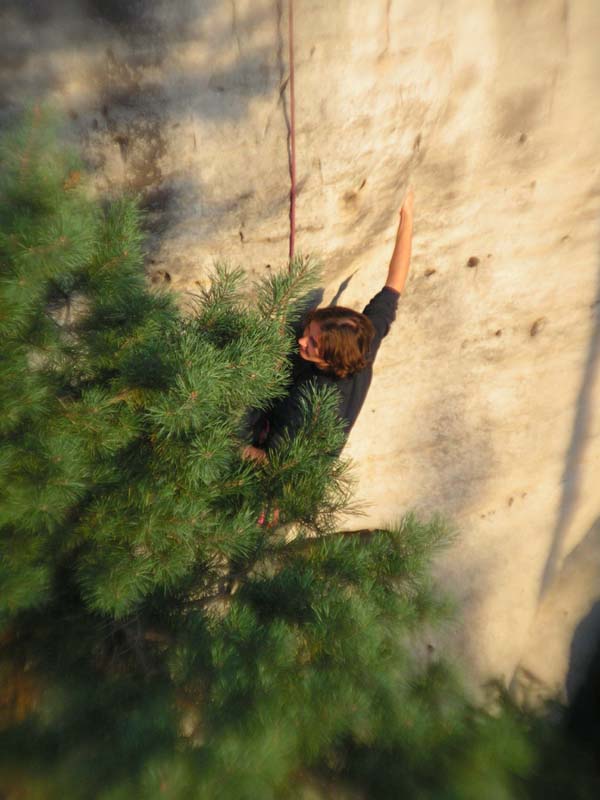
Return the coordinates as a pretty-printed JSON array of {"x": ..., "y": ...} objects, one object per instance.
[
  {"x": 407, "y": 205},
  {"x": 257, "y": 454}
]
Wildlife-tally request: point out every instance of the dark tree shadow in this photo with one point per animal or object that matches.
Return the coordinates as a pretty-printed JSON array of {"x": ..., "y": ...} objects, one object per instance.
[
  {"x": 583, "y": 686},
  {"x": 584, "y": 660},
  {"x": 571, "y": 475},
  {"x": 341, "y": 289},
  {"x": 585, "y": 645}
]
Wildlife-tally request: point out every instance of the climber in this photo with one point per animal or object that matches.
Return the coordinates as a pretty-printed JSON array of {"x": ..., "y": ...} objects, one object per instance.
[{"x": 338, "y": 347}]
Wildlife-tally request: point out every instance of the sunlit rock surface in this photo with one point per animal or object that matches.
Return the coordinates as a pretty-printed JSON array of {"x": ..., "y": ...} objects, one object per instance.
[{"x": 485, "y": 401}]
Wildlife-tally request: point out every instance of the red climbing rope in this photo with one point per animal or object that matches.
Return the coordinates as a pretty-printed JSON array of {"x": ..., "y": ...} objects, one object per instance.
[{"x": 292, "y": 133}]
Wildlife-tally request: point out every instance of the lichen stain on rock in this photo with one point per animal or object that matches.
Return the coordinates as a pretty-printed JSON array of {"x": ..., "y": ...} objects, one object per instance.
[
  {"x": 150, "y": 27},
  {"x": 123, "y": 141},
  {"x": 519, "y": 112},
  {"x": 253, "y": 77},
  {"x": 158, "y": 204},
  {"x": 461, "y": 455},
  {"x": 444, "y": 174},
  {"x": 131, "y": 106}
]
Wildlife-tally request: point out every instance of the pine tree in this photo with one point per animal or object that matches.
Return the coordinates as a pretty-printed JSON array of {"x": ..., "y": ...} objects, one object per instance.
[{"x": 157, "y": 641}]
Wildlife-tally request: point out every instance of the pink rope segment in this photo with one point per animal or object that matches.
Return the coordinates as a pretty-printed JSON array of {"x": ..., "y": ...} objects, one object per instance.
[{"x": 292, "y": 133}]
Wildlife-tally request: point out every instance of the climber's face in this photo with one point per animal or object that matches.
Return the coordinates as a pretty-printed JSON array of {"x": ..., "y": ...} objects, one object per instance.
[{"x": 308, "y": 344}]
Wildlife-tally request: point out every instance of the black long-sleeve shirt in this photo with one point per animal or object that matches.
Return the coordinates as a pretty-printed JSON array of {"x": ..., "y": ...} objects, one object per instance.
[{"x": 286, "y": 415}]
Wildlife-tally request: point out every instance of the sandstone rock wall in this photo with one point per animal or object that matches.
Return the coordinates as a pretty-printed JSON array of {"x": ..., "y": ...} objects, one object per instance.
[{"x": 485, "y": 400}]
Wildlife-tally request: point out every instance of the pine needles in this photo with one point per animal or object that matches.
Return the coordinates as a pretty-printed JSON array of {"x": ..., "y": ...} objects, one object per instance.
[{"x": 171, "y": 644}]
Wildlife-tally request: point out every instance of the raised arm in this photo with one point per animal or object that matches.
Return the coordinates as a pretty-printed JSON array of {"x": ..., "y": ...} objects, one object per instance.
[{"x": 400, "y": 261}]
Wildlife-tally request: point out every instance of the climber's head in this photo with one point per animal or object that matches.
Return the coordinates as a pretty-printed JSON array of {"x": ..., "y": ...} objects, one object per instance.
[{"x": 337, "y": 340}]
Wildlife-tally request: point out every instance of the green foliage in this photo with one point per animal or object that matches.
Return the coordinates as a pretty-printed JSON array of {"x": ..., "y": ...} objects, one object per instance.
[
  {"x": 158, "y": 641},
  {"x": 120, "y": 451}
]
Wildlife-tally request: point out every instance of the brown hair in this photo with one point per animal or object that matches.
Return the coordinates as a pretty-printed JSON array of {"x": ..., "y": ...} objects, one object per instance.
[{"x": 345, "y": 340}]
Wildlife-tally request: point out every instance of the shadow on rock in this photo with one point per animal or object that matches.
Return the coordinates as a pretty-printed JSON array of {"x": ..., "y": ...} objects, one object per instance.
[{"x": 583, "y": 685}]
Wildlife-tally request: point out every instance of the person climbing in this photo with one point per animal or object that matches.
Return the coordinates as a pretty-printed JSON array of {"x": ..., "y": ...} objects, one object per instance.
[{"x": 338, "y": 348}]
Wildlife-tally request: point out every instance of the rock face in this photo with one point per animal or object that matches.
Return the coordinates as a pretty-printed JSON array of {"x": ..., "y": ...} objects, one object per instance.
[{"x": 485, "y": 401}]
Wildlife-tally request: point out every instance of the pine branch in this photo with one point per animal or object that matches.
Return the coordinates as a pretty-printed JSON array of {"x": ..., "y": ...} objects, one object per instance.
[{"x": 280, "y": 296}]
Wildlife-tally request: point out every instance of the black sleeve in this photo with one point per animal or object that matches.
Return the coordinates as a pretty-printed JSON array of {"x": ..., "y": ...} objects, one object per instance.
[
  {"x": 286, "y": 418},
  {"x": 288, "y": 415},
  {"x": 381, "y": 310}
]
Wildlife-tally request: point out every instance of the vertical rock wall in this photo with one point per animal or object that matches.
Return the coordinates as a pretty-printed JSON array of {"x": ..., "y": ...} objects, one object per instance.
[{"x": 484, "y": 403}]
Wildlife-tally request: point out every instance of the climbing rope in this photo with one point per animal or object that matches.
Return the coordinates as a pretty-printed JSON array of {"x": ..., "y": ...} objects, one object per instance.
[{"x": 292, "y": 132}]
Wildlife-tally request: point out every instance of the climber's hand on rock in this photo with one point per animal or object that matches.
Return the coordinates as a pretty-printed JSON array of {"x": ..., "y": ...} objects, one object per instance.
[{"x": 407, "y": 205}]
